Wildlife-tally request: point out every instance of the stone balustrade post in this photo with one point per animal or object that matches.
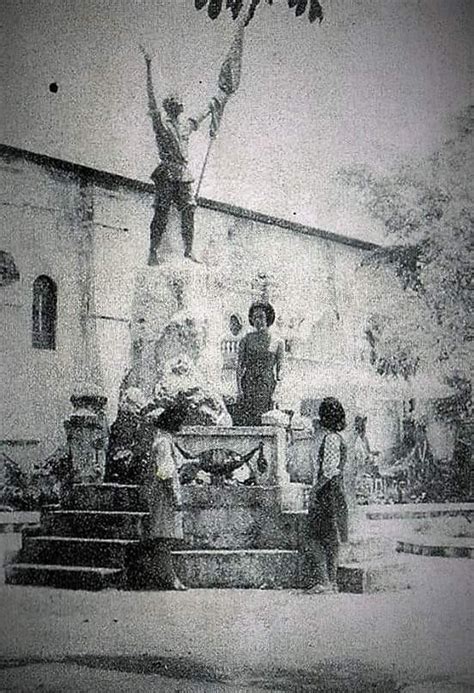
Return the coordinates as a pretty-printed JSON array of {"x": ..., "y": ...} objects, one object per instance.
[{"x": 86, "y": 431}]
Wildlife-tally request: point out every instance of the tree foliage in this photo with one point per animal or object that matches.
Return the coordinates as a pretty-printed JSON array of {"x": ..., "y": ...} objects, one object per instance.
[
  {"x": 426, "y": 321},
  {"x": 235, "y": 7}
]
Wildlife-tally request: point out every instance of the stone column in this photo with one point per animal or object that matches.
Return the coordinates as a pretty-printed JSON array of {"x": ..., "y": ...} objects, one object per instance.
[
  {"x": 89, "y": 376},
  {"x": 86, "y": 431}
]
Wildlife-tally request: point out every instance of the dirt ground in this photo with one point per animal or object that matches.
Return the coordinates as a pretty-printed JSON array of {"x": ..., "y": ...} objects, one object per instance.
[{"x": 414, "y": 640}]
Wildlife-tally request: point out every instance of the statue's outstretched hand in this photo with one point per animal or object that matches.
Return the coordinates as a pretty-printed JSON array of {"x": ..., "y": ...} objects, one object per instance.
[{"x": 145, "y": 53}]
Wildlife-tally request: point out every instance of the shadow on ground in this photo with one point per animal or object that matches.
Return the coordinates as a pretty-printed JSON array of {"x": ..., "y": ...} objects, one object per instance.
[{"x": 347, "y": 676}]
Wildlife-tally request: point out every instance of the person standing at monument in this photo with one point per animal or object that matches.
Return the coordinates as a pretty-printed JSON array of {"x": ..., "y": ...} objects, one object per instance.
[
  {"x": 327, "y": 507},
  {"x": 163, "y": 492},
  {"x": 259, "y": 366}
]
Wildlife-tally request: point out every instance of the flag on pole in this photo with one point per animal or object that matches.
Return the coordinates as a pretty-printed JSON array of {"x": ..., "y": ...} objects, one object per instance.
[{"x": 229, "y": 79}]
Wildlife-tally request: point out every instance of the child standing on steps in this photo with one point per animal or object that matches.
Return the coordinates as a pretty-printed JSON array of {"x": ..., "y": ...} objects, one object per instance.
[{"x": 327, "y": 508}]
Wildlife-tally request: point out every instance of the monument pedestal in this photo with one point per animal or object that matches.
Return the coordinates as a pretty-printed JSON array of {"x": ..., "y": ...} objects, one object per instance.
[
  {"x": 235, "y": 537},
  {"x": 175, "y": 314}
]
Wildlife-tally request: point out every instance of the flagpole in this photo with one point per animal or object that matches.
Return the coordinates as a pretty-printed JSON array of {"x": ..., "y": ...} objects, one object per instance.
[
  {"x": 240, "y": 28},
  {"x": 209, "y": 147}
]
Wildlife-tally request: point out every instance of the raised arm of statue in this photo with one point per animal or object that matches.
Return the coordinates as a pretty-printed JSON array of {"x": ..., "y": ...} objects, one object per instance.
[
  {"x": 214, "y": 109},
  {"x": 152, "y": 105}
]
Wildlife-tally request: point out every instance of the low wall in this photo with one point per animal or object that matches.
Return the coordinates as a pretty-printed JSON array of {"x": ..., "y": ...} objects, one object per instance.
[{"x": 242, "y": 440}]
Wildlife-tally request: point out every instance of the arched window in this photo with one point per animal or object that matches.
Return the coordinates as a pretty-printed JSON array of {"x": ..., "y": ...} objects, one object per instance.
[{"x": 44, "y": 313}]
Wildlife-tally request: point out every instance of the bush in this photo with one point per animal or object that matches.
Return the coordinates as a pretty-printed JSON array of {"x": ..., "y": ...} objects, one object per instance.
[
  {"x": 44, "y": 484},
  {"x": 18, "y": 491}
]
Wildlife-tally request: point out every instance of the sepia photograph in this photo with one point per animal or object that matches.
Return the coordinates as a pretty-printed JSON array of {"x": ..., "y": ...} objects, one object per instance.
[{"x": 236, "y": 346}]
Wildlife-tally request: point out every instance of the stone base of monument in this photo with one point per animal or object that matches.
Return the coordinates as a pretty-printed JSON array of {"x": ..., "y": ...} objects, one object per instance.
[
  {"x": 239, "y": 568},
  {"x": 237, "y": 517},
  {"x": 373, "y": 576},
  {"x": 236, "y": 537}
]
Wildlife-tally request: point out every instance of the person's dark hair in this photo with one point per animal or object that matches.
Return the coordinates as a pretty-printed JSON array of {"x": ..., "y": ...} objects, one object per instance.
[
  {"x": 332, "y": 415},
  {"x": 172, "y": 418},
  {"x": 267, "y": 308}
]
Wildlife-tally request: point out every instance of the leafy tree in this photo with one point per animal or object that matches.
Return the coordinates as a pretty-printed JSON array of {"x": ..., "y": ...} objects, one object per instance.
[
  {"x": 425, "y": 321},
  {"x": 215, "y": 7}
]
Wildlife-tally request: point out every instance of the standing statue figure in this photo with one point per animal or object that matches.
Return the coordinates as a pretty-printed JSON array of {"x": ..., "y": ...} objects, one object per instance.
[
  {"x": 172, "y": 177},
  {"x": 259, "y": 368}
]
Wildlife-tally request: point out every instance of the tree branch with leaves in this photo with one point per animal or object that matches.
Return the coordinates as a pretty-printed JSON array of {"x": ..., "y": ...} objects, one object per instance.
[
  {"x": 312, "y": 8},
  {"x": 426, "y": 211}
]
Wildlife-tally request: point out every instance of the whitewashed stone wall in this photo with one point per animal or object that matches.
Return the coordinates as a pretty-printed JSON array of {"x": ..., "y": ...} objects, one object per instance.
[
  {"x": 38, "y": 225},
  {"x": 90, "y": 235}
]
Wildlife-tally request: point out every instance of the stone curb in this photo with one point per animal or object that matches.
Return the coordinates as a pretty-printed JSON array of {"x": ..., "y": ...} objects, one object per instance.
[
  {"x": 431, "y": 549},
  {"x": 15, "y": 527},
  {"x": 12, "y": 523},
  {"x": 423, "y": 511}
]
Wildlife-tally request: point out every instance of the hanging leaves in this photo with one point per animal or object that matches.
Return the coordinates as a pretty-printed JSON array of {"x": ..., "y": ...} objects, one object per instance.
[
  {"x": 427, "y": 212},
  {"x": 214, "y": 8}
]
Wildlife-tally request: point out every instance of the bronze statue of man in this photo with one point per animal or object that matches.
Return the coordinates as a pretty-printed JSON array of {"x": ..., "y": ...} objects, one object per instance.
[{"x": 172, "y": 177}]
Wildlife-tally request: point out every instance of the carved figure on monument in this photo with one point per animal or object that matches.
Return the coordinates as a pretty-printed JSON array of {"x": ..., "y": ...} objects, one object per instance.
[
  {"x": 183, "y": 336},
  {"x": 204, "y": 405},
  {"x": 172, "y": 177},
  {"x": 260, "y": 366},
  {"x": 221, "y": 464},
  {"x": 179, "y": 381}
]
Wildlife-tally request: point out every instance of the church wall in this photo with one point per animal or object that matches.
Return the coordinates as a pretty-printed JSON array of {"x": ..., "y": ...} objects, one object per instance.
[
  {"x": 38, "y": 224},
  {"x": 90, "y": 234},
  {"x": 120, "y": 222}
]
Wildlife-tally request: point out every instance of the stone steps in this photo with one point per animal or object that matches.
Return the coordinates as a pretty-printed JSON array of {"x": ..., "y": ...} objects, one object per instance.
[
  {"x": 124, "y": 497},
  {"x": 214, "y": 517},
  {"x": 77, "y": 551},
  {"x": 106, "y": 524},
  {"x": 241, "y": 568},
  {"x": 236, "y": 537},
  {"x": 67, "y": 577},
  {"x": 231, "y": 528}
]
